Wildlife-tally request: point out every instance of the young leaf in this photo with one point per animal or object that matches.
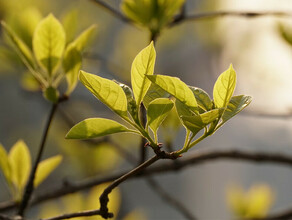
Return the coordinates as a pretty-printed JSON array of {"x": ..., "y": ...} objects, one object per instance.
[
  {"x": 71, "y": 66},
  {"x": 236, "y": 105},
  {"x": 224, "y": 87},
  {"x": 193, "y": 123},
  {"x": 45, "y": 168},
  {"x": 211, "y": 116},
  {"x": 48, "y": 43},
  {"x": 95, "y": 127},
  {"x": 107, "y": 91},
  {"x": 143, "y": 65},
  {"x": 157, "y": 112},
  {"x": 20, "y": 162},
  {"x": 177, "y": 88},
  {"x": 153, "y": 93},
  {"x": 21, "y": 48},
  {"x": 203, "y": 99},
  {"x": 4, "y": 164},
  {"x": 82, "y": 40}
]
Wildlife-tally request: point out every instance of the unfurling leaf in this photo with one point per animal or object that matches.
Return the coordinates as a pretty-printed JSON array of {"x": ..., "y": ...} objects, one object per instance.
[
  {"x": 157, "y": 111},
  {"x": 107, "y": 91},
  {"x": 95, "y": 127},
  {"x": 203, "y": 99},
  {"x": 45, "y": 168},
  {"x": 177, "y": 88},
  {"x": 48, "y": 43},
  {"x": 224, "y": 88},
  {"x": 20, "y": 162},
  {"x": 236, "y": 105},
  {"x": 143, "y": 65}
]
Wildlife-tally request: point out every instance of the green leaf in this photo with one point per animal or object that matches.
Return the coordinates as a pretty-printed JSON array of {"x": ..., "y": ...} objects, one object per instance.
[
  {"x": 224, "y": 87},
  {"x": 107, "y": 91},
  {"x": 49, "y": 43},
  {"x": 71, "y": 65},
  {"x": 157, "y": 111},
  {"x": 236, "y": 105},
  {"x": 177, "y": 88},
  {"x": 51, "y": 94},
  {"x": 203, "y": 99},
  {"x": 193, "y": 123},
  {"x": 143, "y": 65},
  {"x": 83, "y": 39},
  {"x": 211, "y": 116},
  {"x": 70, "y": 23},
  {"x": 4, "y": 164},
  {"x": 20, "y": 163},
  {"x": 153, "y": 93},
  {"x": 21, "y": 48},
  {"x": 95, "y": 127},
  {"x": 45, "y": 168}
]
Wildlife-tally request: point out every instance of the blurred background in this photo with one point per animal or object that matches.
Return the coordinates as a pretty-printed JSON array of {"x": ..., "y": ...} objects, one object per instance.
[{"x": 195, "y": 51}]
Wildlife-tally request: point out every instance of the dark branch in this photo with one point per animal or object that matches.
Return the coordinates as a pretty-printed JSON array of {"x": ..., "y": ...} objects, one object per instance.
[{"x": 75, "y": 215}]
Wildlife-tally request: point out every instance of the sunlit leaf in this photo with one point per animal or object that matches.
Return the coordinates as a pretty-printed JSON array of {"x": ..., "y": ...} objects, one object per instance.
[
  {"x": 157, "y": 111},
  {"x": 224, "y": 87},
  {"x": 193, "y": 123},
  {"x": 84, "y": 38},
  {"x": 107, "y": 91},
  {"x": 45, "y": 168},
  {"x": 4, "y": 164},
  {"x": 20, "y": 162},
  {"x": 28, "y": 82},
  {"x": 71, "y": 65},
  {"x": 70, "y": 23},
  {"x": 143, "y": 65},
  {"x": 203, "y": 99},
  {"x": 236, "y": 105},
  {"x": 210, "y": 116},
  {"x": 177, "y": 88},
  {"x": 153, "y": 93},
  {"x": 48, "y": 43},
  {"x": 95, "y": 127}
]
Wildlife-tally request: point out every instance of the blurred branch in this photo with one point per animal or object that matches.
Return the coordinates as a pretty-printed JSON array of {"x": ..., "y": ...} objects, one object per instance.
[
  {"x": 267, "y": 115},
  {"x": 113, "y": 11},
  {"x": 75, "y": 215}
]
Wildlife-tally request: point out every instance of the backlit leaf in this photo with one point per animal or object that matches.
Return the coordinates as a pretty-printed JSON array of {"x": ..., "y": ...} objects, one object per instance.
[
  {"x": 236, "y": 105},
  {"x": 95, "y": 127},
  {"x": 48, "y": 43},
  {"x": 153, "y": 93},
  {"x": 203, "y": 99},
  {"x": 4, "y": 164},
  {"x": 224, "y": 88},
  {"x": 45, "y": 168},
  {"x": 211, "y": 116},
  {"x": 177, "y": 88},
  {"x": 83, "y": 39},
  {"x": 157, "y": 112},
  {"x": 193, "y": 123},
  {"x": 142, "y": 65},
  {"x": 107, "y": 91},
  {"x": 20, "y": 162}
]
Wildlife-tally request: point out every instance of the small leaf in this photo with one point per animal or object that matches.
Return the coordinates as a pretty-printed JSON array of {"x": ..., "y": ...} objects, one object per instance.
[
  {"x": 20, "y": 162},
  {"x": 236, "y": 105},
  {"x": 157, "y": 112},
  {"x": 4, "y": 164},
  {"x": 82, "y": 40},
  {"x": 177, "y": 88},
  {"x": 203, "y": 99},
  {"x": 143, "y": 65},
  {"x": 106, "y": 91},
  {"x": 48, "y": 43},
  {"x": 70, "y": 23},
  {"x": 211, "y": 116},
  {"x": 95, "y": 127},
  {"x": 153, "y": 93},
  {"x": 45, "y": 168},
  {"x": 21, "y": 48},
  {"x": 71, "y": 65},
  {"x": 224, "y": 87},
  {"x": 193, "y": 123},
  {"x": 286, "y": 33},
  {"x": 51, "y": 94}
]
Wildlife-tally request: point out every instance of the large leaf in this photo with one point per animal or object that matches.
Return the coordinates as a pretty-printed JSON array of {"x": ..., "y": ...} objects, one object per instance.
[
  {"x": 177, "y": 88},
  {"x": 95, "y": 127},
  {"x": 45, "y": 168},
  {"x": 4, "y": 164},
  {"x": 203, "y": 99},
  {"x": 142, "y": 65},
  {"x": 21, "y": 48},
  {"x": 236, "y": 105},
  {"x": 107, "y": 91},
  {"x": 48, "y": 43},
  {"x": 83, "y": 39},
  {"x": 157, "y": 112},
  {"x": 20, "y": 162},
  {"x": 71, "y": 65},
  {"x": 224, "y": 87},
  {"x": 153, "y": 93}
]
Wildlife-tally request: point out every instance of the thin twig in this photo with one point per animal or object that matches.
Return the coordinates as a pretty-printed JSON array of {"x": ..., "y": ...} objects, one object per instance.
[
  {"x": 113, "y": 11},
  {"x": 170, "y": 199},
  {"x": 75, "y": 215}
]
